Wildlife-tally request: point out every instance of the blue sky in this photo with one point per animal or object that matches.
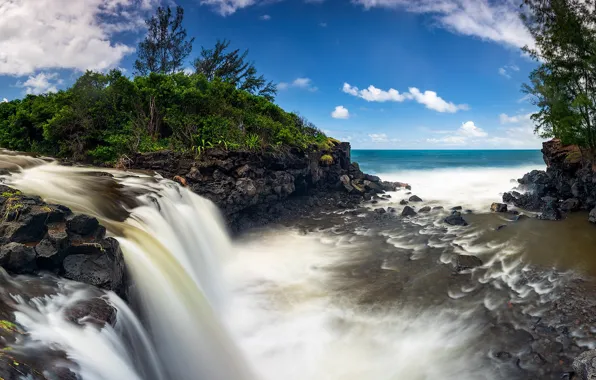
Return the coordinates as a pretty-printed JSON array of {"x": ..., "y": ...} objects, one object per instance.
[{"x": 403, "y": 74}]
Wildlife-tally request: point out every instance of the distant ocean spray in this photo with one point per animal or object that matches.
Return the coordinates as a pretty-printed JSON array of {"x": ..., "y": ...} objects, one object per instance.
[{"x": 472, "y": 178}]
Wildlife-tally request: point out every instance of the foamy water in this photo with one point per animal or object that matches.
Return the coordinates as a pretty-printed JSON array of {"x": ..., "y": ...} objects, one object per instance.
[{"x": 474, "y": 188}]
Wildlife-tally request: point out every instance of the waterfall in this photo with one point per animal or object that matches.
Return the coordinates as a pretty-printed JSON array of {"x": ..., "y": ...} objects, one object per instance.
[{"x": 174, "y": 243}]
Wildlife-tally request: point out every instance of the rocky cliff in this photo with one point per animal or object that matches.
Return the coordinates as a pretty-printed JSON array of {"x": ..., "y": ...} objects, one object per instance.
[
  {"x": 567, "y": 185},
  {"x": 253, "y": 188}
]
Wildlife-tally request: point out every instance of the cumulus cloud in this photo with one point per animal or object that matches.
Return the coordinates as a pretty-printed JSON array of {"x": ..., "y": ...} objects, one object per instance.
[
  {"x": 340, "y": 112},
  {"x": 464, "y": 135},
  {"x": 265, "y": 17},
  {"x": 53, "y": 34},
  {"x": 429, "y": 98},
  {"x": 41, "y": 83},
  {"x": 303, "y": 83},
  {"x": 4, "y": 100},
  {"x": 506, "y": 119},
  {"x": 490, "y": 20}
]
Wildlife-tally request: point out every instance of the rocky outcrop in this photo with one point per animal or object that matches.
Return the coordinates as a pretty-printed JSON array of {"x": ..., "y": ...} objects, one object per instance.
[
  {"x": 38, "y": 237},
  {"x": 455, "y": 219},
  {"x": 567, "y": 185},
  {"x": 253, "y": 188}
]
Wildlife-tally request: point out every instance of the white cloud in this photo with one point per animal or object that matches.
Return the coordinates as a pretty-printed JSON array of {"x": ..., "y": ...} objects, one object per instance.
[
  {"x": 340, "y": 112},
  {"x": 41, "y": 83},
  {"x": 429, "y": 98},
  {"x": 189, "y": 70},
  {"x": 469, "y": 129},
  {"x": 496, "y": 21},
  {"x": 303, "y": 83},
  {"x": 506, "y": 119},
  {"x": 467, "y": 134},
  {"x": 504, "y": 71},
  {"x": 378, "y": 137},
  {"x": 227, "y": 7},
  {"x": 265, "y": 17},
  {"x": 52, "y": 34},
  {"x": 4, "y": 100},
  {"x": 432, "y": 101}
]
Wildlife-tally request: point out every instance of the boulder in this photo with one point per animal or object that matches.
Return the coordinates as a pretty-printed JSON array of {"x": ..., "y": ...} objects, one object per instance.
[
  {"x": 18, "y": 258},
  {"x": 388, "y": 186},
  {"x": 550, "y": 211},
  {"x": 438, "y": 208},
  {"x": 380, "y": 211},
  {"x": 408, "y": 211},
  {"x": 391, "y": 209},
  {"x": 372, "y": 186},
  {"x": 456, "y": 208},
  {"x": 463, "y": 262},
  {"x": 498, "y": 207},
  {"x": 569, "y": 205},
  {"x": 403, "y": 202},
  {"x": 584, "y": 365},
  {"x": 456, "y": 219},
  {"x": 415, "y": 198},
  {"x": 82, "y": 225},
  {"x": 90, "y": 269},
  {"x": 424, "y": 209},
  {"x": 592, "y": 216}
]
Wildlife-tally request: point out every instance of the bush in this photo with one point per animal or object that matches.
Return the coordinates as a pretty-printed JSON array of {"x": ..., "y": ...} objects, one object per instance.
[{"x": 104, "y": 116}]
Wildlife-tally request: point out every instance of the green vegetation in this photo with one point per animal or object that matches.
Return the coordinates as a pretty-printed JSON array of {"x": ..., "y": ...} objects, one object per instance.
[
  {"x": 105, "y": 116},
  {"x": 326, "y": 159},
  {"x": 564, "y": 85}
]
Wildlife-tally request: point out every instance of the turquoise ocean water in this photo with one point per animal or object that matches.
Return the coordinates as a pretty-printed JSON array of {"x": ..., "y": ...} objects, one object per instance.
[{"x": 383, "y": 161}]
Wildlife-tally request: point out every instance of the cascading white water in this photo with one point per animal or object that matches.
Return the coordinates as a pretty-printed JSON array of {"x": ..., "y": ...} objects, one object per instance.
[{"x": 173, "y": 242}]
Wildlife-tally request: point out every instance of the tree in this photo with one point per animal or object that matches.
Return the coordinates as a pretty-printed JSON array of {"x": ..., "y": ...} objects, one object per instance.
[
  {"x": 232, "y": 67},
  {"x": 564, "y": 84},
  {"x": 165, "y": 47}
]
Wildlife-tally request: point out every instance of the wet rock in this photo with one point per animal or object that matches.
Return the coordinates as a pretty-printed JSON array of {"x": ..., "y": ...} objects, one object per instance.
[
  {"x": 408, "y": 211},
  {"x": 592, "y": 216},
  {"x": 503, "y": 355},
  {"x": 438, "y": 208},
  {"x": 550, "y": 211},
  {"x": 380, "y": 211},
  {"x": 498, "y": 207},
  {"x": 82, "y": 225},
  {"x": 90, "y": 269},
  {"x": 456, "y": 208},
  {"x": 94, "y": 309},
  {"x": 469, "y": 211},
  {"x": 571, "y": 204},
  {"x": 424, "y": 209},
  {"x": 391, "y": 209},
  {"x": 388, "y": 186},
  {"x": 499, "y": 228},
  {"x": 18, "y": 258},
  {"x": 585, "y": 365},
  {"x": 415, "y": 198},
  {"x": 456, "y": 219},
  {"x": 372, "y": 186},
  {"x": 463, "y": 262},
  {"x": 403, "y": 202},
  {"x": 371, "y": 178},
  {"x": 387, "y": 196}
]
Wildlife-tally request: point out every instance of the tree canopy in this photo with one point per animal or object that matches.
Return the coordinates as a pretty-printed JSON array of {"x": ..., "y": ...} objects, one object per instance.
[
  {"x": 563, "y": 86},
  {"x": 165, "y": 46}
]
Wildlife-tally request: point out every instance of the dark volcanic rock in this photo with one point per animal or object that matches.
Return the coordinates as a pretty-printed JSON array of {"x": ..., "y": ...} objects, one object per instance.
[
  {"x": 18, "y": 258},
  {"x": 592, "y": 216},
  {"x": 380, "y": 210},
  {"x": 82, "y": 225},
  {"x": 408, "y": 211},
  {"x": 403, "y": 202},
  {"x": 550, "y": 211},
  {"x": 456, "y": 219},
  {"x": 456, "y": 208},
  {"x": 463, "y": 262},
  {"x": 90, "y": 269},
  {"x": 498, "y": 207},
  {"x": 571, "y": 204},
  {"x": 424, "y": 209},
  {"x": 415, "y": 198}
]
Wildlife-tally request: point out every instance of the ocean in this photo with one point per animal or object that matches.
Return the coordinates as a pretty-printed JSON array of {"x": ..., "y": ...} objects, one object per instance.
[{"x": 469, "y": 178}]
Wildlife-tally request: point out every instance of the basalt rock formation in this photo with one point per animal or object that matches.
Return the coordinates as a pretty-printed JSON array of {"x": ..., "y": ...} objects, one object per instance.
[{"x": 567, "y": 185}]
